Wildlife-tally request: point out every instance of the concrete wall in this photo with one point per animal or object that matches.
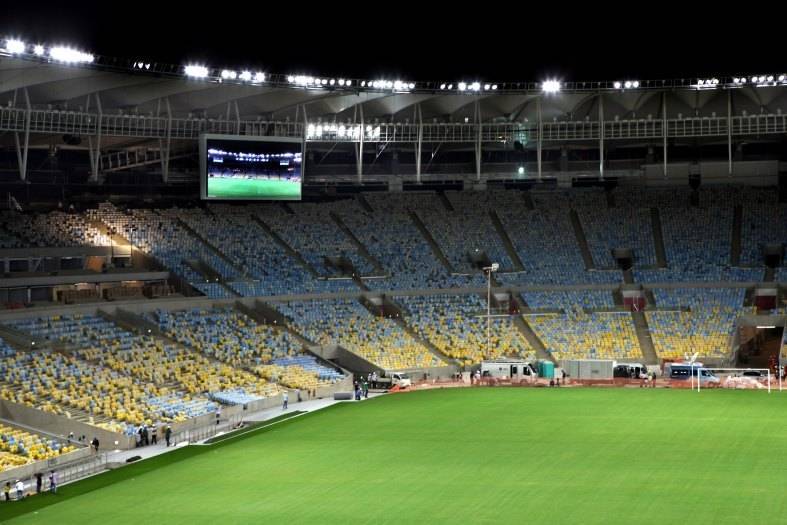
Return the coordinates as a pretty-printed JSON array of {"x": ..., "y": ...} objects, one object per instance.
[
  {"x": 26, "y": 472},
  {"x": 61, "y": 425}
]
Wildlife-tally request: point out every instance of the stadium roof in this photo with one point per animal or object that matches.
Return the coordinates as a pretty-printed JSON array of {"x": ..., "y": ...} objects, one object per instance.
[{"x": 133, "y": 87}]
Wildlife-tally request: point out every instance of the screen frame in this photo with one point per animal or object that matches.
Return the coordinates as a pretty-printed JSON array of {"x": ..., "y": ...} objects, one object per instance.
[{"x": 203, "y": 159}]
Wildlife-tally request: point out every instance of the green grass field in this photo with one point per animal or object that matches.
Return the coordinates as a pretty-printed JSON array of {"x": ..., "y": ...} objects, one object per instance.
[
  {"x": 221, "y": 188},
  {"x": 486, "y": 455}
]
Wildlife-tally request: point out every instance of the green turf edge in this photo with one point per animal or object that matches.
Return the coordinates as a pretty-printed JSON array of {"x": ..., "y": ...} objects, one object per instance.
[
  {"x": 252, "y": 427},
  {"x": 30, "y": 504}
]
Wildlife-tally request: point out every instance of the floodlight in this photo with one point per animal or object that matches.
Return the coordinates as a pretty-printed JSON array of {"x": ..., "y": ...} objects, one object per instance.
[
  {"x": 617, "y": 84},
  {"x": 15, "y": 46},
  {"x": 411, "y": 85},
  {"x": 259, "y": 76},
  {"x": 521, "y": 170},
  {"x": 494, "y": 87},
  {"x": 348, "y": 83},
  {"x": 192, "y": 70},
  {"x": 475, "y": 86},
  {"x": 228, "y": 74},
  {"x": 462, "y": 86},
  {"x": 332, "y": 81},
  {"x": 635, "y": 84},
  {"x": 550, "y": 86},
  {"x": 363, "y": 83},
  {"x": 38, "y": 50},
  {"x": 66, "y": 54},
  {"x": 627, "y": 84},
  {"x": 341, "y": 81},
  {"x": 245, "y": 76}
]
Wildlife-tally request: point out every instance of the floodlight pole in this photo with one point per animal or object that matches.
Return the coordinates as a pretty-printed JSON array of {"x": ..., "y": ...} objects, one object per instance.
[{"x": 489, "y": 270}]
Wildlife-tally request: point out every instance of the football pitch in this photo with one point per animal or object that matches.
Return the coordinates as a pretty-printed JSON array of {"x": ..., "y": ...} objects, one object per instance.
[
  {"x": 227, "y": 188},
  {"x": 480, "y": 455}
]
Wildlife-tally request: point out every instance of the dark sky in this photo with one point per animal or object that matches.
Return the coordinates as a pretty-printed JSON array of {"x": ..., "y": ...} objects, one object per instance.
[{"x": 413, "y": 41}]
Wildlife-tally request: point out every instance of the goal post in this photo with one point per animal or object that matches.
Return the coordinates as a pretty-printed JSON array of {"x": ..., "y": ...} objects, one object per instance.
[{"x": 734, "y": 378}]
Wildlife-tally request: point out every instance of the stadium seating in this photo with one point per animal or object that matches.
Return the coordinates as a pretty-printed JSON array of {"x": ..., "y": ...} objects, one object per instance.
[
  {"x": 231, "y": 337},
  {"x": 146, "y": 358},
  {"x": 20, "y": 447},
  {"x": 453, "y": 323},
  {"x": 578, "y": 334},
  {"x": 347, "y": 323},
  {"x": 393, "y": 239},
  {"x": 622, "y": 227},
  {"x": 762, "y": 224},
  {"x": 564, "y": 299},
  {"x": 52, "y": 229},
  {"x": 702, "y": 321}
]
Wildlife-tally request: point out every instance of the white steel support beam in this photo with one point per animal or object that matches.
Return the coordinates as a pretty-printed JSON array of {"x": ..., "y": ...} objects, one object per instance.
[
  {"x": 540, "y": 134},
  {"x": 419, "y": 144},
  {"x": 664, "y": 128},
  {"x": 165, "y": 143},
  {"x": 23, "y": 145},
  {"x": 478, "y": 139},
  {"x": 601, "y": 137},
  {"x": 729, "y": 132},
  {"x": 94, "y": 144},
  {"x": 359, "y": 157}
]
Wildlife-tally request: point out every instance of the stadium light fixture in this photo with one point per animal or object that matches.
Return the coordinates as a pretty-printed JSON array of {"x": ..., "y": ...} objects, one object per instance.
[
  {"x": 475, "y": 86},
  {"x": 450, "y": 86},
  {"x": 245, "y": 76},
  {"x": 550, "y": 86},
  {"x": 15, "y": 46},
  {"x": 259, "y": 76},
  {"x": 228, "y": 74},
  {"x": 348, "y": 83},
  {"x": 70, "y": 55},
  {"x": 617, "y": 84},
  {"x": 290, "y": 79},
  {"x": 195, "y": 71},
  {"x": 494, "y": 87},
  {"x": 521, "y": 170},
  {"x": 462, "y": 86},
  {"x": 38, "y": 50},
  {"x": 486, "y": 87}
]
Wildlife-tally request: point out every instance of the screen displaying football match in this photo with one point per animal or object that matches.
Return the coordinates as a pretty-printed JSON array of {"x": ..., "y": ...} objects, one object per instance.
[{"x": 243, "y": 168}]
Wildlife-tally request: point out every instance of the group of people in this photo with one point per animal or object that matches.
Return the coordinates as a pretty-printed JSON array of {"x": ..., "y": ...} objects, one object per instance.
[
  {"x": 361, "y": 387},
  {"x": 148, "y": 435},
  {"x": 19, "y": 486}
]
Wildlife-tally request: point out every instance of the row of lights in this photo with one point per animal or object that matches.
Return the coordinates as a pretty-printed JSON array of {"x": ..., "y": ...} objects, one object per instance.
[
  {"x": 15, "y": 46},
  {"x": 340, "y": 130},
  {"x": 58, "y": 53},
  {"x": 626, "y": 84}
]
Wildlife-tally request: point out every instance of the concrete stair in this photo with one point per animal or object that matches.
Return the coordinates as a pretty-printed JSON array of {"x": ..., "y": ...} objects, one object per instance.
[
  {"x": 438, "y": 252},
  {"x": 584, "y": 248},
  {"x": 643, "y": 336},
  {"x": 194, "y": 233},
  {"x": 535, "y": 342},
  {"x": 658, "y": 238},
  {"x": 286, "y": 247},
  {"x": 509, "y": 246},
  {"x": 358, "y": 244}
]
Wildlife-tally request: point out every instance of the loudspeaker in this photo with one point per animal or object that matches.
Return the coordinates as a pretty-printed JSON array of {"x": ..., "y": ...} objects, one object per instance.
[{"x": 342, "y": 396}]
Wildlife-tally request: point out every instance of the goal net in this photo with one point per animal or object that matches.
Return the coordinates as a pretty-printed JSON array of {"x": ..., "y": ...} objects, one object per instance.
[{"x": 735, "y": 378}]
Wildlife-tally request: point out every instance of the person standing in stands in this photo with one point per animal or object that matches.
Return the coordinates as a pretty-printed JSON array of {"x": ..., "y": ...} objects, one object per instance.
[
  {"x": 7, "y": 490},
  {"x": 39, "y": 482},
  {"x": 284, "y": 400},
  {"x": 168, "y": 434},
  {"x": 53, "y": 481}
]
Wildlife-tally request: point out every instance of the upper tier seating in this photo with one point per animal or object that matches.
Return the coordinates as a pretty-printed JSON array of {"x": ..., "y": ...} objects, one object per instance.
[
  {"x": 454, "y": 324},
  {"x": 391, "y": 236},
  {"x": 622, "y": 227},
  {"x": 53, "y": 229},
  {"x": 347, "y": 323},
  {"x": 567, "y": 299}
]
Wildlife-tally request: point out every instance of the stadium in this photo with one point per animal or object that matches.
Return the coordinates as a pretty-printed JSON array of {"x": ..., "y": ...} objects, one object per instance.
[{"x": 237, "y": 294}]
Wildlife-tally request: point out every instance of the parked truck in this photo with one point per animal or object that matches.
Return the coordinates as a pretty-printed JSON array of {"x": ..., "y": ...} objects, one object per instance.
[{"x": 515, "y": 370}]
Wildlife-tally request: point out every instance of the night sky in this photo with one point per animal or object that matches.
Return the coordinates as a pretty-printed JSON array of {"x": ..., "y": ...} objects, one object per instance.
[{"x": 412, "y": 41}]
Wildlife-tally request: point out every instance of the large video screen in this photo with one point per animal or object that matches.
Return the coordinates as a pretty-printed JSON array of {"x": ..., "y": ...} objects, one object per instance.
[{"x": 244, "y": 168}]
